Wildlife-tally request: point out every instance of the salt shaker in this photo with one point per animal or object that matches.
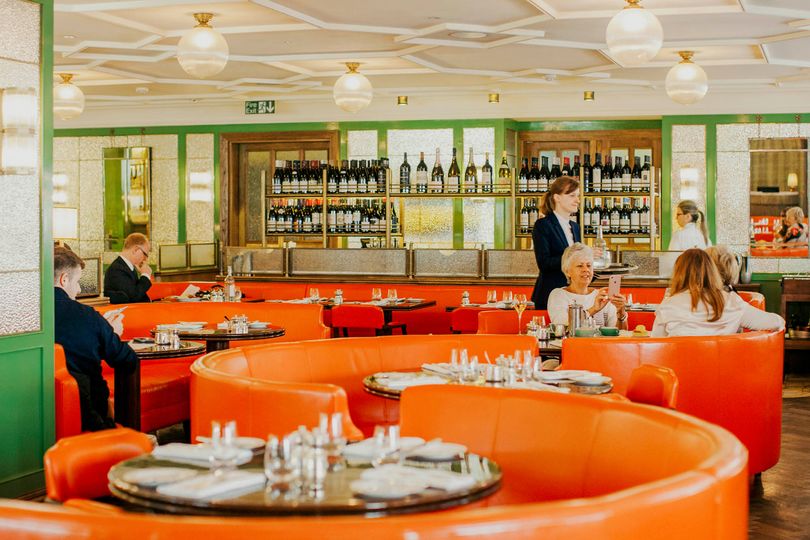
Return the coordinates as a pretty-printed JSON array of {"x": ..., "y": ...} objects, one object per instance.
[
  {"x": 465, "y": 298},
  {"x": 338, "y": 297}
]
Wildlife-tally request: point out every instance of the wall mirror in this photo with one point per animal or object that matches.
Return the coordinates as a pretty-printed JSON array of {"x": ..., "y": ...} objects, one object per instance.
[
  {"x": 127, "y": 194},
  {"x": 779, "y": 197}
]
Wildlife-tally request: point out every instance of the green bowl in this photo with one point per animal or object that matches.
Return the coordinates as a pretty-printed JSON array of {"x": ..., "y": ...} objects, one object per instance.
[
  {"x": 609, "y": 331},
  {"x": 584, "y": 332}
]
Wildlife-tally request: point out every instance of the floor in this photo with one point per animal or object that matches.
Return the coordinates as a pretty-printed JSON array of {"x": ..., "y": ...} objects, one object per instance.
[{"x": 780, "y": 503}]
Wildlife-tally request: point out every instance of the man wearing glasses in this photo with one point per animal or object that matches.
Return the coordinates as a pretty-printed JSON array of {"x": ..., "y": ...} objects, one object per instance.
[{"x": 122, "y": 284}]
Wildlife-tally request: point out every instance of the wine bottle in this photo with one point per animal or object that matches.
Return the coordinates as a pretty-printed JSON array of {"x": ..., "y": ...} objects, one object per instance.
[
  {"x": 453, "y": 180},
  {"x": 437, "y": 175},
  {"x": 566, "y": 169},
  {"x": 624, "y": 216},
  {"x": 615, "y": 217},
  {"x": 644, "y": 216},
  {"x": 421, "y": 174},
  {"x": 486, "y": 175},
  {"x": 332, "y": 177},
  {"x": 596, "y": 174},
  {"x": 471, "y": 175},
  {"x": 596, "y": 213},
  {"x": 534, "y": 214},
  {"x": 343, "y": 177},
  {"x": 295, "y": 178},
  {"x": 645, "y": 175},
  {"x": 523, "y": 176},
  {"x": 635, "y": 217},
  {"x": 357, "y": 215},
  {"x": 627, "y": 176},
  {"x": 543, "y": 176},
  {"x": 503, "y": 175},
  {"x": 316, "y": 179},
  {"x": 352, "y": 187},
  {"x": 278, "y": 176},
  {"x": 372, "y": 175},
  {"x": 524, "y": 218},
  {"x": 382, "y": 175},
  {"x": 270, "y": 226},
  {"x": 617, "y": 174},
  {"x": 586, "y": 217},
  {"x": 587, "y": 174},
  {"x": 405, "y": 175},
  {"x": 607, "y": 175},
  {"x": 365, "y": 218},
  {"x": 362, "y": 177},
  {"x": 533, "y": 182},
  {"x": 555, "y": 170},
  {"x": 635, "y": 175},
  {"x": 394, "y": 220},
  {"x": 575, "y": 168}
]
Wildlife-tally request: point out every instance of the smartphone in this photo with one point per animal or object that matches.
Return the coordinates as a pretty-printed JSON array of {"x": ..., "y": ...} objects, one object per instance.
[
  {"x": 614, "y": 285},
  {"x": 115, "y": 312}
]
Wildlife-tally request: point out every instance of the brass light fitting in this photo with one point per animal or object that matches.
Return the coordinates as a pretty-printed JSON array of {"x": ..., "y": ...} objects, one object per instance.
[
  {"x": 402, "y": 100},
  {"x": 589, "y": 95},
  {"x": 203, "y": 19},
  {"x": 494, "y": 98}
]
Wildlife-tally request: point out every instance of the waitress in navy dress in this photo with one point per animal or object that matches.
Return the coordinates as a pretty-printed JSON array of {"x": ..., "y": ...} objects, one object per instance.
[{"x": 552, "y": 234}]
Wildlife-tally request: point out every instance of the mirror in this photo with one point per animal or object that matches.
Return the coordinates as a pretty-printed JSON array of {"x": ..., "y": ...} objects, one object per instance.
[
  {"x": 779, "y": 197},
  {"x": 127, "y": 194}
]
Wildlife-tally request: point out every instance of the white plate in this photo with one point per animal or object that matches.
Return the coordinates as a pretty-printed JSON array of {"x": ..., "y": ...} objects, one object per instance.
[
  {"x": 192, "y": 323},
  {"x": 592, "y": 381},
  {"x": 388, "y": 490},
  {"x": 438, "y": 451},
  {"x": 190, "y": 299},
  {"x": 364, "y": 450},
  {"x": 155, "y": 476},
  {"x": 258, "y": 324},
  {"x": 248, "y": 443}
]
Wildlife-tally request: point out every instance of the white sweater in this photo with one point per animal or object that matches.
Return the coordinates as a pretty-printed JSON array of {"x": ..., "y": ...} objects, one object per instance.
[
  {"x": 560, "y": 299},
  {"x": 674, "y": 317},
  {"x": 687, "y": 238}
]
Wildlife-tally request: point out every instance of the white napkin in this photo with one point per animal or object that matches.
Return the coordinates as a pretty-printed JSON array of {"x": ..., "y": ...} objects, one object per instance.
[
  {"x": 535, "y": 385},
  {"x": 395, "y": 375},
  {"x": 206, "y": 486},
  {"x": 399, "y": 384},
  {"x": 442, "y": 368},
  {"x": 365, "y": 448},
  {"x": 414, "y": 299},
  {"x": 189, "y": 291},
  {"x": 435, "y": 478},
  {"x": 379, "y": 302},
  {"x": 197, "y": 454},
  {"x": 140, "y": 346}
]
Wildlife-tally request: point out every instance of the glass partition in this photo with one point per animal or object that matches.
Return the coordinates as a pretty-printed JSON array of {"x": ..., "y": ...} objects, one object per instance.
[
  {"x": 127, "y": 194},
  {"x": 778, "y": 197}
]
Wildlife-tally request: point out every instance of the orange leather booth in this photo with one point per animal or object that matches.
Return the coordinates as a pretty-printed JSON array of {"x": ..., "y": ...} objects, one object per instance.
[
  {"x": 733, "y": 381},
  {"x": 277, "y": 387},
  {"x": 610, "y": 470}
]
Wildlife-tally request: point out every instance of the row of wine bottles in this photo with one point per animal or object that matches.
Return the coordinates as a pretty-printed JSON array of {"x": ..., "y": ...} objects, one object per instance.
[
  {"x": 453, "y": 182},
  {"x": 343, "y": 216},
  {"x": 618, "y": 215},
  {"x": 353, "y": 177},
  {"x": 596, "y": 178}
]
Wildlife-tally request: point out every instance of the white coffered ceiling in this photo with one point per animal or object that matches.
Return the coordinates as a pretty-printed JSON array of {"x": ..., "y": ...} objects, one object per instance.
[{"x": 123, "y": 52}]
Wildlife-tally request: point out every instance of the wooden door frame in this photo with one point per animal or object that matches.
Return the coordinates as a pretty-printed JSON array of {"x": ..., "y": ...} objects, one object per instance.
[{"x": 231, "y": 215}]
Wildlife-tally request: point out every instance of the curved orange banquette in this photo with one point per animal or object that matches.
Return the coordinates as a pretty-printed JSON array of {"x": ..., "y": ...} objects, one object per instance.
[
  {"x": 274, "y": 388},
  {"x": 575, "y": 468},
  {"x": 734, "y": 381}
]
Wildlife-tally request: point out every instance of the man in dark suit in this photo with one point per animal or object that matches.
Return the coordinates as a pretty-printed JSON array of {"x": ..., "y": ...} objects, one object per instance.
[
  {"x": 552, "y": 234},
  {"x": 87, "y": 337},
  {"x": 122, "y": 284}
]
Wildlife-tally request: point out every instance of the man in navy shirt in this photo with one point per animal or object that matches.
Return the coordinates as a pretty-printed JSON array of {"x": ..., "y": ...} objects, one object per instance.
[
  {"x": 122, "y": 283},
  {"x": 87, "y": 337}
]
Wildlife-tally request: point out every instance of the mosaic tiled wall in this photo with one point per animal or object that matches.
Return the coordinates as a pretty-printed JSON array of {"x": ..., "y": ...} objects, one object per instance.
[
  {"x": 733, "y": 187},
  {"x": 688, "y": 151},
  {"x": 20, "y": 203},
  {"x": 199, "y": 214},
  {"x": 479, "y": 214},
  {"x": 80, "y": 158}
]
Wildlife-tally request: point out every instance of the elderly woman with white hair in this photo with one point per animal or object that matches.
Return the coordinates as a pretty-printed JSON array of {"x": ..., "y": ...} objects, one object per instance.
[{"x": 577, "y": 265}]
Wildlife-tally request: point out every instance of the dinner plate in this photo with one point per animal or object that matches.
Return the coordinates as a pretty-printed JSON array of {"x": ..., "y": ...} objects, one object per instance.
[
  {"x": 378, "y": 489},
  {"x": 364, "y": 450},
  {"x": 437, "y": 451},
  {"x": 592, "y": 381},
  {"x": 257, "y": 324},
  {"x": 155, "y": 476},
  {"x": 248, "y": 443}
]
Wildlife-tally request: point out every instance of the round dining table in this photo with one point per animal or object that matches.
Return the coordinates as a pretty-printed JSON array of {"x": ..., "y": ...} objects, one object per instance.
[{"x": 218, "y": 339}]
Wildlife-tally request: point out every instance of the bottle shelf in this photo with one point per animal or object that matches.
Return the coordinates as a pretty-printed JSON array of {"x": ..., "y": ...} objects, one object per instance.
[
  {"x": 629, "y": 235},
  {"x": 308, "y": 235},
  {"x": 318, "y": 195},
  {"x": 616, "y": 194},
  {"x": 356, "y": 234},
  {"x": 356, "y": 195},
  {"x": 448, "y": 195}
]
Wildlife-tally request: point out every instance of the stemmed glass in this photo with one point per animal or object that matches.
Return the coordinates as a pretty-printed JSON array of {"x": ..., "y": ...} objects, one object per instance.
[{"x": 520, "y": 306}]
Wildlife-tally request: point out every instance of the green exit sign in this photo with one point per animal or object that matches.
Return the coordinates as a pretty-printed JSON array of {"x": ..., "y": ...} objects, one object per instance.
[{"x": 260, "y": 107}]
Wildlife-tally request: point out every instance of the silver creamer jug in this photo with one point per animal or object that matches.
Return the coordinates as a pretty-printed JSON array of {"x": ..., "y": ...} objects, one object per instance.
[{"x": 576, "y": 317}]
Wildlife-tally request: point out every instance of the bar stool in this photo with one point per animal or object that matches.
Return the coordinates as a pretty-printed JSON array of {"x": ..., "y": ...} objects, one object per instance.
[
  {"x": 653, "y": 385},
  {"x": 345, "y": 317}
]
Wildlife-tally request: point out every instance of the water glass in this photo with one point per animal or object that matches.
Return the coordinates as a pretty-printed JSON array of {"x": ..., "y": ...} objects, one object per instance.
[
  {"x": 279, "y": 469},
  {"x": 315, "y": 463},
  {"x": 237, "y": 294},
  {"x": 454, "y": 358},
  {"x": 386, "y": 446},
  {"x": 336, "y": 442},
  {"x": 224, "y": 453},
  {"x": 392, "y": 295},
  {"x": 507, "y": 297},
  {"x": 376, "y": 293},
  {"x": 492, "y": 297},
  {"x": 472, "y": 370},
  {"x": 314, "y": 294}
]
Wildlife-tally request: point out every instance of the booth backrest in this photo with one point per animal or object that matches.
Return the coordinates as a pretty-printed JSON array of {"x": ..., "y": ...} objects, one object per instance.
[
  {"x": 68, "y": 413},
  {"x": 300, "y": 321},
  {"x": 506, "y": 322},
  {"x": 734, "y": 381},
  {"x": 754, "y": 298},
  {"x": 585, "y": 468},
  {"x": 218, "y": 379}
]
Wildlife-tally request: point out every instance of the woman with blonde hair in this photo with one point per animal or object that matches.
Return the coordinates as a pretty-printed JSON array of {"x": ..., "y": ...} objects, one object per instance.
[
  {"x": 795, "y": 230},
  {"x": 699, "y": 306},
  {"x": 692, "y": 232},
  {"x": 726, "y": 263}
]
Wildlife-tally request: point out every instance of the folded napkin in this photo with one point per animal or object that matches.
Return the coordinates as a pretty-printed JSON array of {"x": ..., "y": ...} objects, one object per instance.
[
  {"x": 197, "y": 454},
  {"x": 399, "y": 384},
  {"x": 435, "y": 478},
  {"x": 534, "y": 385},
  {"x": 140, "y": 346},
  {"x": 414, "y": 299},
  {"x": 396, "y": 375},
  {"x": 442, "y": 368},
  {"x": 365, "y": 448},
  {"x": 207, "y": 486},
  {"x": 379, "y": 302}
]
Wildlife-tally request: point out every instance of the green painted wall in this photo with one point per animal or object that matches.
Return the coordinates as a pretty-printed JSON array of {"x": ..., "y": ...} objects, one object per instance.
[{"x": 26, "y": 361}]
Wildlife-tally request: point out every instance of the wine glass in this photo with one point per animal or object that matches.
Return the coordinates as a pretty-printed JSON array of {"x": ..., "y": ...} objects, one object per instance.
[{"x": 520, "y": 306}]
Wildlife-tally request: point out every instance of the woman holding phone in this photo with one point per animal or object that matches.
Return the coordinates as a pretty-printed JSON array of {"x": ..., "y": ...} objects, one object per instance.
[{"x": 603, "y": 308}]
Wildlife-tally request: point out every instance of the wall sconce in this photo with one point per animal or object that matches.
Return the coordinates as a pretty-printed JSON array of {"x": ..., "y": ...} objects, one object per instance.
[
  {"x": 589, "y": 95},
  {"x": 200, "y": 184},
  {"x": 65, "y": 223},
  {"x": 793, "y": 181},
  {"x": 689, "y": 183},
  {"x": 20, "y": 108},
  {"x": 494, "y": 98},
  {"x": 402, "y": 100},
  {"x": 60, "y": 195}
]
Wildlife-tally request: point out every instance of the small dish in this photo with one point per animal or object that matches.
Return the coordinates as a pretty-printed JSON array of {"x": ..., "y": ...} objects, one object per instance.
[
  {"x": 609, "y": 331},
  {"x": 155, "y": 476}
]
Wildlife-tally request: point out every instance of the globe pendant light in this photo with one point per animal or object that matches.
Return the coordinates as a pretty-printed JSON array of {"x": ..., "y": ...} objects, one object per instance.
[
  {"x": 634, "y": 35},
  {"x": 686, "y": 82},
  {"x": 202, "y": 52},
  {"x": 68, "y": 99},
  {"x": 352, "y": 91}
]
